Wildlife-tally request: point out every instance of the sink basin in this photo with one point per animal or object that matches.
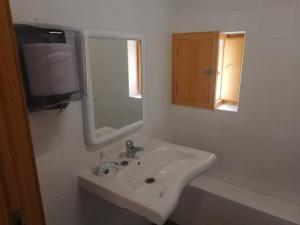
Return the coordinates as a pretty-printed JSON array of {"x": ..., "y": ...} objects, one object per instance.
[{"x": 151, "y": 183}]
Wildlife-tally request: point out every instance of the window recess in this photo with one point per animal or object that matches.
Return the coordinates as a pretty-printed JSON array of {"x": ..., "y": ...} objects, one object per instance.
[
  {"x": 207, "y": 69},
  {"x": 134, "y": 68}
]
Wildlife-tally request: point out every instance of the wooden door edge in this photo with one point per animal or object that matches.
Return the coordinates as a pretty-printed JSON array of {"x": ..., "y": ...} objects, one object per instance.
[{"x": 18, "y": 139}]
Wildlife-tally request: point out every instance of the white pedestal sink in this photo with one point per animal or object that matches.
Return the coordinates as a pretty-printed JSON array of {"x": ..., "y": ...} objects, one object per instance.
[{"x": 151, "y": 183}]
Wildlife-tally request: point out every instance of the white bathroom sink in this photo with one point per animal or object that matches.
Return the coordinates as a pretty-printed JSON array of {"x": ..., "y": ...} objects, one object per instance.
[{"x": 152, "y": 182}]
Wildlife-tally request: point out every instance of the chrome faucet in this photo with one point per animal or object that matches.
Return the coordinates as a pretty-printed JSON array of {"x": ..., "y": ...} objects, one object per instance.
[{"x": 131, "y": 150}]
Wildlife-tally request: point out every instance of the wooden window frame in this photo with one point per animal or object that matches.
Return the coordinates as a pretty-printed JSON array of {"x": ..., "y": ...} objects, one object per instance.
[
  {"x": 225, "y": 36},
  {"x": 135, "y": 88},
  {"x": 139, "y": 66},
  {"x": 215, "y": 68},
  {"x": 214, "y": 63}
]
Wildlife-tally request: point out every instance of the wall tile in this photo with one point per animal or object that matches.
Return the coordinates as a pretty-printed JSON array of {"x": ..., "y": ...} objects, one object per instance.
[
  {"x": 246, "y": 20},
  {"x": 35, "y": 13},
  {"x": 282, "y": 209},
  {"x": 215, "y": 211},
  {"x": 53, "y": 188},
  {"x": 99, "y": 211},
  {"x": 251, "y": 199},
  {"x": 268, "y": 84},
  {"x": 50, "y": 157},
  {"x": 190, "y": 201},
  {"x": 204, "y": 209},
  {"x": 271, "y": 220},
  {"x": 277, "y": 22},
  {"x": 51, "y": 177},
  {"x": 287, "y": 138},
  {"x": 74, "y": 110},
  {"x": 45, "y": 129},
  {"x": 211, "y": 209},
  {"x": 216, "y": 187},
  {"x": 291, "y": 85},
  {"x": 259, "y": 120},
  {"x": 71, "y": 138},
  {"x": 229, "y": 163},
  {"x": 284, "y": 182},
  {"x": 294, "y": 54},
  {"x": 238, "y": 5},
  {"x": 246, "y": 216},
  {"x": 266, "y": 54},
  {"x": 181, "y": 217},
  {"x": 296, "y": 28},
  {"x": 255, "y": 172},
  {"x": 273, "y": 3}
]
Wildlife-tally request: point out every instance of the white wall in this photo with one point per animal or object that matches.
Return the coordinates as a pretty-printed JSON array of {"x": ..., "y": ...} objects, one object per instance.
[
  {"x": 58, "y": 139},
  {"x": 259, "y": 146}
]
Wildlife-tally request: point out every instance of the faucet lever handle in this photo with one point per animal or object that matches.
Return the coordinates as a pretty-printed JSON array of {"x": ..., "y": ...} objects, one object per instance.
[{"x": 129, "y": 144}]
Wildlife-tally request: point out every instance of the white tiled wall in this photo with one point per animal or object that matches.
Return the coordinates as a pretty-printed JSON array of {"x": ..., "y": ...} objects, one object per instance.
[
  {"x": 58, "y": 139},
  {"x": 259, "y": 146},
  {"x": 60, "y": 155}
]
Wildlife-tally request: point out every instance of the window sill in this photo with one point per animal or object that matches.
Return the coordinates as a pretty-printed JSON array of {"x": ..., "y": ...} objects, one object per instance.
[
  {"x": 228, "y": 107},
  {"x": 135, "y": 96}
]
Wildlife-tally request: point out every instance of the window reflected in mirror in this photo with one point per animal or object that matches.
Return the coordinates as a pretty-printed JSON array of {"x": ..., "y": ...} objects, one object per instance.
[{"x": 134, "y": 68}]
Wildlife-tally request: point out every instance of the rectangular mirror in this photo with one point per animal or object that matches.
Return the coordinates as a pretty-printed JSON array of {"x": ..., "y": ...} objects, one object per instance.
[{"x": 114, "y": 67}]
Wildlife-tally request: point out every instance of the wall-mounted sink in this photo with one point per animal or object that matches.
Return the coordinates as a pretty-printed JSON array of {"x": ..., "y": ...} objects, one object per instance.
[{"x": 151, "y": 183}]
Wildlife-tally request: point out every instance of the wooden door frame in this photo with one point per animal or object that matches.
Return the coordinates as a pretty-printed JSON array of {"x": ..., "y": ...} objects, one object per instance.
[{"x": 19, "y": 187}]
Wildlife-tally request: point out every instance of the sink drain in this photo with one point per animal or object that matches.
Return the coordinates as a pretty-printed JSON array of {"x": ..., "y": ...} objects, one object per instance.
[
  {"x": 124, "y": 163},
  {"x": 150, "y": 180}
]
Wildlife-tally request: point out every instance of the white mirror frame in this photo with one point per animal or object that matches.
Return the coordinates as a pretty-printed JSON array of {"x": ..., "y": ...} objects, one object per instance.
[{"x": 90, "y": 131}]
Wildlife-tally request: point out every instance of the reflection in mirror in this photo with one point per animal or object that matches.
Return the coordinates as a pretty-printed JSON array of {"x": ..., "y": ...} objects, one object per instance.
[{"x": 116, "y": 82}]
